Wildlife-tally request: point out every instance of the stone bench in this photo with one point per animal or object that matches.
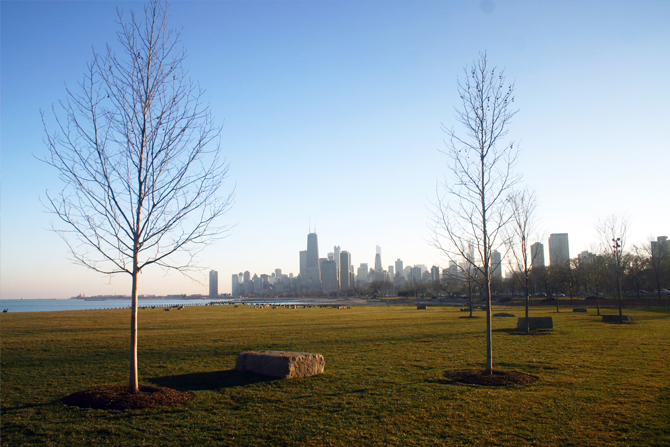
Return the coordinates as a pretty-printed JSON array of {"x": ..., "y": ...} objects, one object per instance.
[
  {"x": 503, "y": 314},
  {"x": 421, "y": 307},
  {"x": 617, "y": 318},
  {"x": 535, "y": 323},
  {"x": 282, "y": 364},
  {"x": 580, "y": 309}
]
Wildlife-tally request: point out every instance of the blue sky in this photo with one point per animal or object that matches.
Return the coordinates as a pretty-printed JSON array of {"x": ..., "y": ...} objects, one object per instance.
[{"x": 332, "y": 114}]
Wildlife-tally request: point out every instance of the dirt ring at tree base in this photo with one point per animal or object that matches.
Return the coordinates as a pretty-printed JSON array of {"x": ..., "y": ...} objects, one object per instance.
[
  {"x": 497, "y": 378},
  {"x": 117, "y": 397}
]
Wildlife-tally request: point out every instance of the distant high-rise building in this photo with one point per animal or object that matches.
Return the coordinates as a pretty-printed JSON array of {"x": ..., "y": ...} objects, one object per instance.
[
  {"x": 313, "y": 272},
  {"x": 303, "y": 264},
  {"x": 235, "y": 291},
  {"x": 329, "y": 276},
  {"x": 585, "y": 257},
  {"x": 391, "y": 271},
  {"x": 415, "y": 275},
  {"x": 378, "y": 260},
  {"x": 559, "y": 250},
  {"x": 312, "y": 250},
  {"x": 321, "y": 261},
  {"x": 247, "y": 276},
  {"x": 398, "y": 267},
  {"x": 537, "y": 255},
  {"x": 496, "y": 261},
  {"x": 345, "y": 268},
  {"x": 362, "y": 274},
  {"x": 660, "y": 249},
  {"x": 213, "y": 284},
  {"x": 435, "y": 274},
  {"x": 336, "y": 255}
]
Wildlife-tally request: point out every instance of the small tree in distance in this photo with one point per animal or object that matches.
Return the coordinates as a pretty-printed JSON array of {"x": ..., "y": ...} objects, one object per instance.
[
  {"x": 480, "y": 177},
  {"x": 613, "y": 232},
  {"x": 139, "y": 157},
  {"x": 522, "y": 228}
]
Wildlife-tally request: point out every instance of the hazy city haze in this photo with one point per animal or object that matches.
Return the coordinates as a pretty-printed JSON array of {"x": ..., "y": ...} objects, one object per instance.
[{"x": 333, "y": 114}]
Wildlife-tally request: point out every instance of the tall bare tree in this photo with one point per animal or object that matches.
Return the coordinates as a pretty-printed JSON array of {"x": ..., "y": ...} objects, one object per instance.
[
  {"x": 522, "y": 228},
  {"x": 139, "y": 156},
  {"x": 470, "y": 206},
  {"x": 613, "y": 231}
]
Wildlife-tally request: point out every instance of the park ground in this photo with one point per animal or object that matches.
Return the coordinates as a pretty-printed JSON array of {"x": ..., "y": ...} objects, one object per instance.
[{"x": 600, "y": 384}]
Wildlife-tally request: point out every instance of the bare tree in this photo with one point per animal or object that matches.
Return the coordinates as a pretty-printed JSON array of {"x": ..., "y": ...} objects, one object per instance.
[
  {"x": 139, "y": 156},
  {"x": 521, "y": 230},
  {"x": 480, "y": 178},
  {"x": 613, "y": 231}
]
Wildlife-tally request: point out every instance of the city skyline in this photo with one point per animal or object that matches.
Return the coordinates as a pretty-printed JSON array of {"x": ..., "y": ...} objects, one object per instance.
[
  {"x": 332, "y": 113},
  {"x": 361, "y": 276}
]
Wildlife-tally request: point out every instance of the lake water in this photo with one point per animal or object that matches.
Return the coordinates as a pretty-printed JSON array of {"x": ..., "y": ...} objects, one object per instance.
[{"x": 46, "y": 305}]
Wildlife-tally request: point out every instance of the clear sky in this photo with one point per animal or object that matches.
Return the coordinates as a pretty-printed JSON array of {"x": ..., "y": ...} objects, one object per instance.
[{"x": 332, "y": 114}]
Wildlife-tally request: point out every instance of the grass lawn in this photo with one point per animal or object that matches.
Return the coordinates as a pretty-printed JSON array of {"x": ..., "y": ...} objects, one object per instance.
[{"x": 600, "y": 384}]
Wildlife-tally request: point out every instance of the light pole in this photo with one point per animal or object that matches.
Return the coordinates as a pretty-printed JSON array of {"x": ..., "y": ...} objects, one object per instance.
[{"x": 617, "y": 258}]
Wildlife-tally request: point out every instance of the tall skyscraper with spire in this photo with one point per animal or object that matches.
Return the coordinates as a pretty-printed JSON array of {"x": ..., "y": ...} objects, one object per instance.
[
  {"x": 313, "y": 271},
  {"x": 379, "y": 270}
]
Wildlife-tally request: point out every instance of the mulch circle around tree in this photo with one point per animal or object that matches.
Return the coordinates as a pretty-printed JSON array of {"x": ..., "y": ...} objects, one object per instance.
[
  {"x": 117, "y": 397},
  {"x": 498, "y": 378}
]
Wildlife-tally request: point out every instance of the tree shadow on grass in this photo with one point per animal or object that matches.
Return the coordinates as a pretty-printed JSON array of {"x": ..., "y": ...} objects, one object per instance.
[
  {"x": 515, "y": 331},
  {"x": 23, "y": 407},
  {"x": 213, "y": 380}
]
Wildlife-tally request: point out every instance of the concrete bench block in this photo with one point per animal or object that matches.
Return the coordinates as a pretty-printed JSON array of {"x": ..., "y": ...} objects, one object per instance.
[
  {"x": 503, "y": 314},
  {"x": 535, "y": 323},
  {"x": 421, "y": 307},
  {"x": 616, "y": 318},
  {"x": 580, "y": 309},
  {"x": 282, "y": 364}
]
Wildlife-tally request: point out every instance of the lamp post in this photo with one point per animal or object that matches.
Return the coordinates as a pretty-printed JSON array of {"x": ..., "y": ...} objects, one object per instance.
[{"x": 617, "y": 258}]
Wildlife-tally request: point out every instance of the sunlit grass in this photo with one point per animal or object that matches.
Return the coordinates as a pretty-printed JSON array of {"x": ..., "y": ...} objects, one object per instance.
[{"x": 600, "y": 384}]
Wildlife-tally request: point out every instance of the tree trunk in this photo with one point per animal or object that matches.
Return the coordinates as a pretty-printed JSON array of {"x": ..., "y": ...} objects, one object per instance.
[
  {"x": 489, "y": 344},
  {"x": 133, "y": 386},
  {"x": 470, "y": 295},
  {"x": 527, "y": 306}
]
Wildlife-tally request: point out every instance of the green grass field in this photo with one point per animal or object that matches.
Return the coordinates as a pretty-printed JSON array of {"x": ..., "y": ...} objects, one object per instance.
[{"x": 600, "y": 384}]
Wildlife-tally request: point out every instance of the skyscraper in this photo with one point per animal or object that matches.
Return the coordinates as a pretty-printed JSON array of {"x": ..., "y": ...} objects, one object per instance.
[
  {"x": 303, "y": 264},
  {"x": 496, "y": 261},
  {"x": 362, "y": 274},
  {"x": 336, "y": 255},
  {"x": 559, "y": 250},
  {"x": 435, "y": 273},
  {"x": 398, "y": 267},
  {"x": 660, "y": 248},
  {"x": 213, "y": 284},
  {"x": 329, "y": 276},
  {"x": 312, "y": 250},
  {"x": 378, "y": 260},
  {"x": 345, "y": 268},
  {"x": 235, "y": 291},
  {"x": 313, "y": 272},
  {"x": 537, "y": 255}
]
